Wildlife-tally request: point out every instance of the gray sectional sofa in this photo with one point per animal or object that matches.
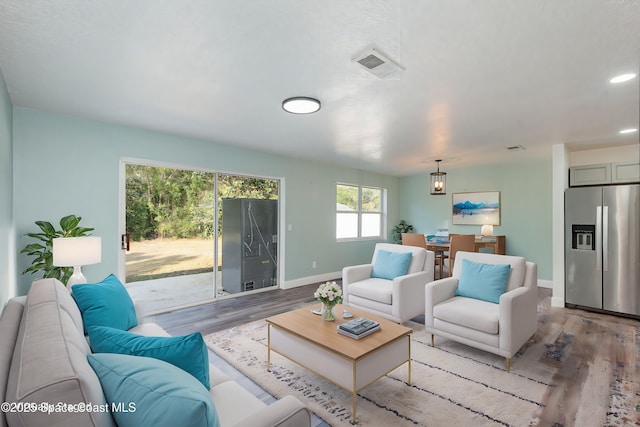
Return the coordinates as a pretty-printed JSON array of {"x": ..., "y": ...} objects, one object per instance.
[{"x": 43, "y": 358}]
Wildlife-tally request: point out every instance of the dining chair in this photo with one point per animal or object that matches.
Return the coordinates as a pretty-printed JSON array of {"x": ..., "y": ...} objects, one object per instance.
[
  {"x": 457, "y": 242},
  {"x": 417, "y": 239},
  {"x": 414, "y": 239}
]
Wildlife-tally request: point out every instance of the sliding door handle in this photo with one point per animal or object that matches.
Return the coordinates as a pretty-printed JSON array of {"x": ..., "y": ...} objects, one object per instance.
[{"x": 125, "y": 241}]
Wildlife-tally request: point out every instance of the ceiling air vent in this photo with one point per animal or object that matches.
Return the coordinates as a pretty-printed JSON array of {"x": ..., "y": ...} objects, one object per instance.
[{"x": 378, "y": 64}]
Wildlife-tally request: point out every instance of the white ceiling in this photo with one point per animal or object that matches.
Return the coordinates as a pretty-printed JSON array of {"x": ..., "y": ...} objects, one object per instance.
[{"x": 479, "y": 76}]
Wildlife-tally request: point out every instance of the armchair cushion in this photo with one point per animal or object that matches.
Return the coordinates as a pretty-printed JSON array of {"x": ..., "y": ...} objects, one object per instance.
[
  {"x": 375, "y": 289},
  {"x": 389, "y": 265},
  {"x": 483, "y": 281},
  {"x": 470, "y": 313}
]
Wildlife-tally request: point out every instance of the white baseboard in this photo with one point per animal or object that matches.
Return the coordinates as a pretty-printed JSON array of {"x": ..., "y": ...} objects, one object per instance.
[
  {"x": 311, "y": 279},
  {"x": 545, "y": 284},
  {"x": 557, "y": 302}
]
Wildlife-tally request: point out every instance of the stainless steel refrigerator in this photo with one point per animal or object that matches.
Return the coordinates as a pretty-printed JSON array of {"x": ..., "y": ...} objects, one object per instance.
[{"x": 602, "y": 248}]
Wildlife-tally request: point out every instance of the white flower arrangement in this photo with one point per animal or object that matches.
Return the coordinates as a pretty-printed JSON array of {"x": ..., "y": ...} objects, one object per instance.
[{"x": 329, "y": 293}]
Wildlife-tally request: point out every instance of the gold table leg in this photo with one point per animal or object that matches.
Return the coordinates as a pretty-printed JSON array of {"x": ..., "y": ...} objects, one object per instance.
[
  {"x": 355, "y": 399},
  {"x": 268, "y": 348},
  {"x": 354, "y": 393},
  {"x": 409, "y": 362}
]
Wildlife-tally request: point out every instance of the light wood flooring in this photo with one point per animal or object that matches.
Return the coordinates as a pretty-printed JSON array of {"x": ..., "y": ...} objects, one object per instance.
[{"x": 229, "y": 312}]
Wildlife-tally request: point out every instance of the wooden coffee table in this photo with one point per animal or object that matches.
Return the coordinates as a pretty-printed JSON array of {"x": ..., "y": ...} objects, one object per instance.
[{"x": 315, "y": 344}]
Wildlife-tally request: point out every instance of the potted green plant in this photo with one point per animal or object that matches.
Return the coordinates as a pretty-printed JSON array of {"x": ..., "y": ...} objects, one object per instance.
[
  {"x": 403, "y": 227},
  {"x": 42, "y": 252}
]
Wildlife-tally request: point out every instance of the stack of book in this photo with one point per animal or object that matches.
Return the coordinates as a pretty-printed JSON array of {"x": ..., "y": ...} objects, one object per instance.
[{"x": 358, "y": 328}]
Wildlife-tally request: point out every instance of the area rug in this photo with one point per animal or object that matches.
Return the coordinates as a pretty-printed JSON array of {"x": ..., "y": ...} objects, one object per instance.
[{"x": 452, "y": 384}]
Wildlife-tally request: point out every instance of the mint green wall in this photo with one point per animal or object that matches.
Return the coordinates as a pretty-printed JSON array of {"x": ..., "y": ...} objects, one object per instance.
[
  {"x": 64, "y": 164},
  {"x": 526, "y": 209},
  {"x": 7, "y": 240}
]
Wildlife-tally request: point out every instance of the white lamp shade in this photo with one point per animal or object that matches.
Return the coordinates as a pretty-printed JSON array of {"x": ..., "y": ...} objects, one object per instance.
[
  {"x": 487, "y": 230},
  {"x": 76, "y": 251}
]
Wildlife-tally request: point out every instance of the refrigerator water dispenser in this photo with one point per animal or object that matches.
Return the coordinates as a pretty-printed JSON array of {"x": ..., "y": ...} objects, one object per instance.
[{"x": 583, "y": 237}]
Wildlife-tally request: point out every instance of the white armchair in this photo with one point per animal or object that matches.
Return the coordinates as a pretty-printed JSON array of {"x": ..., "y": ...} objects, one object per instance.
[
  {"x": 399, "y": 299},
  {"x": 497, "y": 328}
]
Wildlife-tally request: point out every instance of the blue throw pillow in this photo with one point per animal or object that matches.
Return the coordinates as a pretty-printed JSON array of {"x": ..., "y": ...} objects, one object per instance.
[
  {"x": 105, "y": 304},
  {"x": 483, "y": 281},
  {"x": 151, "y": 392},
  {"x": 188, "y": 352},
  {"x": 390, "y": 265}
]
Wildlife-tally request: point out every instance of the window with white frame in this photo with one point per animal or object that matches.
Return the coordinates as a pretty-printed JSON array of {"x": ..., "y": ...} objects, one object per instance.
[{"x": 359, "y": 212}]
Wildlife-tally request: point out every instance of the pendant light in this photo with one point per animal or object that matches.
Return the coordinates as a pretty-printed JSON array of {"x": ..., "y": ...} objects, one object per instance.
[{"x": 438, "y": 182}]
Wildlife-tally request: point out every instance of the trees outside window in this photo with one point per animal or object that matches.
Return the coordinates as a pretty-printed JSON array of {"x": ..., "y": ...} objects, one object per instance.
[{"x": 359, "y": 212}]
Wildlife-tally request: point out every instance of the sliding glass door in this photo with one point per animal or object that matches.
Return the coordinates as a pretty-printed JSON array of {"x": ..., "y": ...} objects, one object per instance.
[{"x": 191, "y": 236}]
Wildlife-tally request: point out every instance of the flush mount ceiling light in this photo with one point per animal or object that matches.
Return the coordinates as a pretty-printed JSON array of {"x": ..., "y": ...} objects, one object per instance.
[
  {"x": 301, "y": 105},
  {"x": 622, "y": 78}
]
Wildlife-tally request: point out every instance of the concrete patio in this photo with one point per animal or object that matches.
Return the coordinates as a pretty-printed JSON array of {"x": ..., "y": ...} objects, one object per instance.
[{"x": 166, "y": 294}]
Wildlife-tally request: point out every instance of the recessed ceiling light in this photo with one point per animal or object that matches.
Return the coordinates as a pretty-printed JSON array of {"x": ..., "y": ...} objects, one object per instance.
[
  {"x": 622, "y": 78},
  {"x": 630, "y": 130},
  {"x": 301, "y": 105}
]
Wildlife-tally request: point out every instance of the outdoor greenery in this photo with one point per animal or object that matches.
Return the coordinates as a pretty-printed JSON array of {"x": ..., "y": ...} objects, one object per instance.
[
  {"x": 177, "y": 203},
  {"x": 42, "y": 252},
  {"x": 348, "y": 195}
]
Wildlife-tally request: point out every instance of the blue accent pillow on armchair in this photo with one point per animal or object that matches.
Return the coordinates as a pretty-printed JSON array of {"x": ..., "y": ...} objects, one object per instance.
[
  {"x": 483, "y": 281},
  {"x": 390, "y": 265}
]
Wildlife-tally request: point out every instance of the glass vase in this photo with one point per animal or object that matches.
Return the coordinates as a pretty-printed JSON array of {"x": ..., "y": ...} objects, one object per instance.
[{"x": 328, "y": 311}]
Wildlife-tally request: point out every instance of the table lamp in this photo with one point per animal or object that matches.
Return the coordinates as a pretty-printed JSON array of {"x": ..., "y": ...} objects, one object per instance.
[
  {"x": 76, "y": 252},
  {"x": 486, "y": 230}
]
